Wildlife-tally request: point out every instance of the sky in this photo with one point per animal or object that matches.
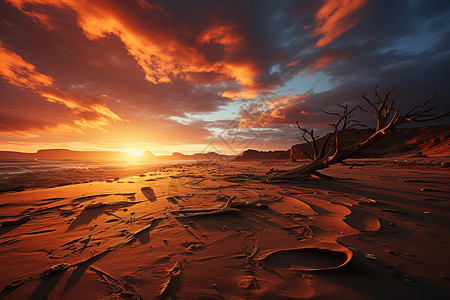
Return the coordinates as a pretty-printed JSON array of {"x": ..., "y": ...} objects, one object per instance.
[{"x": 201, "y": 76}]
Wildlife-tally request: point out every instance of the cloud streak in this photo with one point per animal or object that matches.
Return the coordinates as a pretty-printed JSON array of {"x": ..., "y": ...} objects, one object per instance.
[
  {"x": 336, "y": 17},
  {"x": 20, "y": 73},
  {"x": 88, "y": 112}
]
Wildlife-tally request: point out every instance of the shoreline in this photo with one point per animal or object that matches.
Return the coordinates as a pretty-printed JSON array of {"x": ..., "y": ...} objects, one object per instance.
[{"x": 73, "y": 175}]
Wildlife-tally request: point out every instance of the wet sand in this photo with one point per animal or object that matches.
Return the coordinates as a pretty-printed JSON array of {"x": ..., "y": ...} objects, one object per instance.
[{"x": 379, "y": 231}]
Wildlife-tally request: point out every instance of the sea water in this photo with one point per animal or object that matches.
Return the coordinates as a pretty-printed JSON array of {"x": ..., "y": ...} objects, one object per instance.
[{"x": 23, "y": 174}]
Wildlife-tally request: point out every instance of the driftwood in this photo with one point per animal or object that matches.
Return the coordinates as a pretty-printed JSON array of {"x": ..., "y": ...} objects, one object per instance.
[
  {"x": 198, "y": 212},
  {"x": 388, "y": 118},
  {"x": 55, "y": 269},
  {"x": 119, "y": 288}
]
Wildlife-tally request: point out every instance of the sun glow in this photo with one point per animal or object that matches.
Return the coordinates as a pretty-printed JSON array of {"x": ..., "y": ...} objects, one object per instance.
[{"x": 136, "y": 153}]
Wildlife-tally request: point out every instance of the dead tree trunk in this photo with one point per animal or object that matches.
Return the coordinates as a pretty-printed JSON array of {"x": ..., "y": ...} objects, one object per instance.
[{"x": 387, "y": 118}]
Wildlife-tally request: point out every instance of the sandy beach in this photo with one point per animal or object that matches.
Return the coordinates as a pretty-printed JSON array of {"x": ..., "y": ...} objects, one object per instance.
[{"x": 378, "y": 231}]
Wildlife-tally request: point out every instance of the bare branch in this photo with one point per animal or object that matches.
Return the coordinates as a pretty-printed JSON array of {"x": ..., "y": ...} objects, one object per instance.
[
  {"x": 383, "y": 103},
  {"x": 387, "y": 116},
  {"x": 422, "y": 105},
  {"x": 376, "y": 93},
  {"x": 311, "y": 142},
  {"x": 354, "y": 125},
  {"x": 365, "y": 110},
  {"x": 368, "y": 101},
  {"x": 324, "y": 146},
  {"x": 330, "y": 113},
  {"x": 416, "y": 119}
]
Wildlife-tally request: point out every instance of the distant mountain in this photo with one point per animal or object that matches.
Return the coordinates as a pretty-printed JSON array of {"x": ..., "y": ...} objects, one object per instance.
[
  {"x": 65, "y": 154},
  {"x": 148, "y": 155},
  {"x": 196, "y": 156},
  {"x": 251, "y": 154},
  {"x": 420, "y": 141}
]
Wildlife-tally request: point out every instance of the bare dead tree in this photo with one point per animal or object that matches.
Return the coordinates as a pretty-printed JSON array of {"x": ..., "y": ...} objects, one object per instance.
[
  {"x": 312, "y": 140},
  {"x": 388, "y": 118}
]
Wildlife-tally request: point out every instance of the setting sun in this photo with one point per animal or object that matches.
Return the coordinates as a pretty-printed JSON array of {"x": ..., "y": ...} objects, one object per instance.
[{"x": 136, "y": 153}]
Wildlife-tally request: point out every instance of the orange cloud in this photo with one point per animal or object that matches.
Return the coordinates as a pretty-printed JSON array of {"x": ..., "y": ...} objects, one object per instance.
[
  {"x": 224, "y": 35},
  {"x": 243, "y": 73},
  {"x": 18, "y": 72},
  {"x": 334, "y": 18},
  {"x": 163, "y": 57},
  {"x": 279, "y": 110},
  {"x": 73, "y": 102},
  {"x": 293, "y": 63},
  {"x": 324, "y": 61},
  {"x": 40, "y": 18},
  {"x": 158, "y": 51},
  {"x": 247, "y": 94}
]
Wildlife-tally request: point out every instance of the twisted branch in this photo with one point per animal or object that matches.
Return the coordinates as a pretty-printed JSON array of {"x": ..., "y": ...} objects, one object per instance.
[{"x": 387, "y": 116}]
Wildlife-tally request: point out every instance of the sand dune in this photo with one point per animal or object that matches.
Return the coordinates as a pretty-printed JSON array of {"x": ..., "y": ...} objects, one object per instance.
[{"x": 216, "y": 230}]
